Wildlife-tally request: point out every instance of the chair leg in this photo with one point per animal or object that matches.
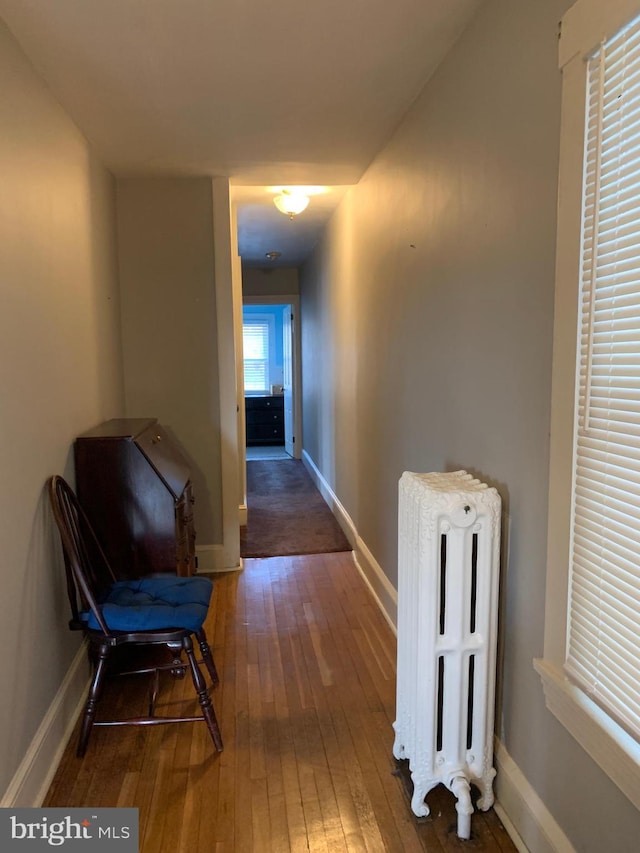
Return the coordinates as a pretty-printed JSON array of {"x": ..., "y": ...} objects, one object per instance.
[
  {"x": 180, "y": 669},
  {"x": 153, "y": 693},
  {"x": 92, "y": 699},
  {"x": 207, "y": 657},
  {"x": 203, "y": 695}
]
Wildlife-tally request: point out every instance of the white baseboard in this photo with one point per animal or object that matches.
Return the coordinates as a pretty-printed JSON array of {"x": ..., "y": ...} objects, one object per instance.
[
  {"x": 33, "y": 777},
  {"x": 331, "y": 499},
  {"x": 379, "y": 584},
  {"x": 532, "y": 827},
  {"x": 211, "y": 558}
]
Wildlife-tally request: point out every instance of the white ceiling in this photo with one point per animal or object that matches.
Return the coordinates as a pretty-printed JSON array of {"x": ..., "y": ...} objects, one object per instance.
[{"x": 269, "y": 94}]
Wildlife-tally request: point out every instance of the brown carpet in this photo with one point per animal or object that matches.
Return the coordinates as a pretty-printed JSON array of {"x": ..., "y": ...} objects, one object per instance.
[{"x": 286, "y": 513}]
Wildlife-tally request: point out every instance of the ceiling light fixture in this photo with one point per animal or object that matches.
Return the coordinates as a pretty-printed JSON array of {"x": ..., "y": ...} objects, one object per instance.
[
  {"x": 291, "y": 203},
  {"x": 273, "y": 256}
]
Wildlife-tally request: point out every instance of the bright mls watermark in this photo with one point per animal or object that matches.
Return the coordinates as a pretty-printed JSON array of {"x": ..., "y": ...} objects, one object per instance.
[{"x": 79, "y": 830}]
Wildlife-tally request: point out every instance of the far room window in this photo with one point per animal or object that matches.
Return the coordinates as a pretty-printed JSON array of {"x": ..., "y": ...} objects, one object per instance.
[
  {"x": 591, "y": 665},
  {"x": 255, "y": 341}
]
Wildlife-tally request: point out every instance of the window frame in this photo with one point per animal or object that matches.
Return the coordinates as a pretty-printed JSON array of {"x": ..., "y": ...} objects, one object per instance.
[{"x": 583, "y": 27}]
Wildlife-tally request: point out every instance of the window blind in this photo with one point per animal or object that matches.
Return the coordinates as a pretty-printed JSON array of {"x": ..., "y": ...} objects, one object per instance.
[
  {"x": 255, "y": 341},
  {"x": 603, "y": 642}
]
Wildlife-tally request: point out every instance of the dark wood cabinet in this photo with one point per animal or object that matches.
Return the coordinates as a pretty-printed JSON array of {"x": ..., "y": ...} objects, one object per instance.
[
  {"x": 134, "y": 484},
  {"x": 265, "y": 420}
]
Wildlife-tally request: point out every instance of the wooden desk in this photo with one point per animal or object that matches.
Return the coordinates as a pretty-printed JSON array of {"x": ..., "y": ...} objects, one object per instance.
[{"x": 133, "y": 483}]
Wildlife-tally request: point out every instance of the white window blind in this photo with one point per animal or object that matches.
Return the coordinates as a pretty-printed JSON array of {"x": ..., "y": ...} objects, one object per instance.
[
  {"x": 255, "y": 341},
  {"x": 603, "y": 637}
]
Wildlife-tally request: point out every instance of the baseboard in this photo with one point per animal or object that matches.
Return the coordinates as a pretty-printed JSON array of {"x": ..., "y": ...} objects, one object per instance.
[
  {"x": 33, "y": 777},
  {"x": 243, "y": 514},
  {"x": 331, "y": 499},
  {"x": 379, "y": 584},
  {"x": 532, "y": 827},
  {"x": 211, "y": 559}
]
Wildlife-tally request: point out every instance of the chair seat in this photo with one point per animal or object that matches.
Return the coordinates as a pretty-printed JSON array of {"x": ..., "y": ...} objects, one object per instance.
[{"x": 155, "y": 602}]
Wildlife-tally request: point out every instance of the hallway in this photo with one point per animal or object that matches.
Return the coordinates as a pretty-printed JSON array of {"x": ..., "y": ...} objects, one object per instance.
[{"x": 306, "y": 704}]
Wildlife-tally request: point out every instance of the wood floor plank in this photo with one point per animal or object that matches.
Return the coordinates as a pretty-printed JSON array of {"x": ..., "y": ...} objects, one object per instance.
[
  {"x": 296, "y": 824},
  {"x": 192, "y": 802},
  {"x": 306, "y": 703},
  {"x": 259, "y": 814}
]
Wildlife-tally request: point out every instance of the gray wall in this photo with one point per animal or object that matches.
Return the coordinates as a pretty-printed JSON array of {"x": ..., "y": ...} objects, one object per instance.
[
  {"x": 427, "y": 345},
  {"x": 165, "y": 238},
  {"x": 60, "y": 373},
  {"x": 277, "y": 281}
]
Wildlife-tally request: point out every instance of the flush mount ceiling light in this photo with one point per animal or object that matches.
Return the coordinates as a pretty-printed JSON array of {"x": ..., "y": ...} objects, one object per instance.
[
  {"x": 273, "y": 256},
  {"x": 291, "y": 203}
]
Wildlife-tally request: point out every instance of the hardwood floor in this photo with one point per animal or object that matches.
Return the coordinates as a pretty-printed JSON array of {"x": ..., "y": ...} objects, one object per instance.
[{"x": 305, "y": 704}]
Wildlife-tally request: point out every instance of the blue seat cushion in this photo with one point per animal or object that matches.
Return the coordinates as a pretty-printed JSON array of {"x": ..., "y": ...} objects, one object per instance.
[{"x": 155, "y": 602}]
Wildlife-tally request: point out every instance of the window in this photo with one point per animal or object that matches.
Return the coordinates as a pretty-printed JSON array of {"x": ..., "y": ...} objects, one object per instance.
[
  {"x": 255, "y": 342},
  {"x": 604, "y": 617},
  {"x": 591, "y": 665}
]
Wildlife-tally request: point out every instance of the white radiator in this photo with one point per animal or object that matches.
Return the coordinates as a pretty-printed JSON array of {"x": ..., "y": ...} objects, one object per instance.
[{"x": 448, "y": 571}]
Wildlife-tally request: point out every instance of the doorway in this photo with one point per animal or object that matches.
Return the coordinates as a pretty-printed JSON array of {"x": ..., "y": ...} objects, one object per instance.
[{"x": 271, "y": 378}]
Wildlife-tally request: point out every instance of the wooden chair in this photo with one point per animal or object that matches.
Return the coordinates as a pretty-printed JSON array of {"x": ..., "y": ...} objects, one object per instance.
[{"x": 126, "y": 614}]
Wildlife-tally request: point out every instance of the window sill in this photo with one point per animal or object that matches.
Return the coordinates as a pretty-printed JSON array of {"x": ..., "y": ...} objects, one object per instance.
[{"x": 616, "y": 752}]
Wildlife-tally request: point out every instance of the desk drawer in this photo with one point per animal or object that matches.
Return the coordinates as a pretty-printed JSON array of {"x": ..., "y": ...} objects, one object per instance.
[
  {"x": 275, "y": 403},
  {"x": 265, "y": 434},
  {"x": 262, "y": 416}
]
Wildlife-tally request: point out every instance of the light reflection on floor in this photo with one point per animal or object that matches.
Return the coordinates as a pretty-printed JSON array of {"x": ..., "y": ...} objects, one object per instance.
[{"x": 267, "y": 453}]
